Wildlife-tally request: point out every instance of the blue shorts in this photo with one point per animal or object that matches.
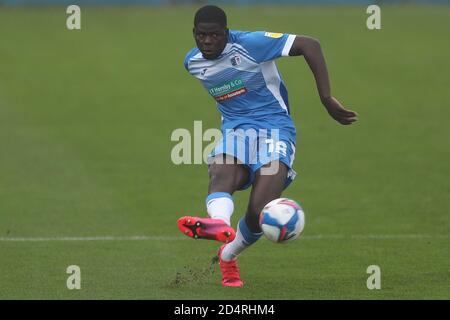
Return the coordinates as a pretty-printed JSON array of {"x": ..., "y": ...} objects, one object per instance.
[{"x": 255, "y": 148}]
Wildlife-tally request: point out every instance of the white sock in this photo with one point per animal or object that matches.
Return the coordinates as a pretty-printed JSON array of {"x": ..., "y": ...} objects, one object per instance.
[
  {"x": 234, "y": 248},
  {"x": 244, "y": 239},
  {"x": 219, "y": 205}
]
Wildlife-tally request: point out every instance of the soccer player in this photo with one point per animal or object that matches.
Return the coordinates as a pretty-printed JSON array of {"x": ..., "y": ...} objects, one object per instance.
[{"x": 238, "y": 70}]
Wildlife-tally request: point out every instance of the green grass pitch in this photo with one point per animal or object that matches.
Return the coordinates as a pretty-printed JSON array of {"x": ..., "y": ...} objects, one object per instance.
[{"x": 85, "y": 124}]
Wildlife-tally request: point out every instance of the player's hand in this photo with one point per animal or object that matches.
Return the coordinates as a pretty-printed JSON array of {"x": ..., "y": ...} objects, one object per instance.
[{"x": 338, "y": 112}]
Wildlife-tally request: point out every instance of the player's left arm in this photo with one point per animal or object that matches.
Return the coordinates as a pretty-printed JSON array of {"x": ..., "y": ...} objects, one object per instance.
[{"x": 310, "y": 48}]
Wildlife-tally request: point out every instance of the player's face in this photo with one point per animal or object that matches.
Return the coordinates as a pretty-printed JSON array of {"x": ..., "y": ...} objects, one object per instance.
[{"x": 211, "y": 39}]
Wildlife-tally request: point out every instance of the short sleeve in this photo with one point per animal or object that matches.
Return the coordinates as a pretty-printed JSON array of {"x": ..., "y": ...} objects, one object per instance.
[
  {"x": 188, "y": 57},
  {"x": 186, "y": 63},
  {"x": 266, "y": 46}
]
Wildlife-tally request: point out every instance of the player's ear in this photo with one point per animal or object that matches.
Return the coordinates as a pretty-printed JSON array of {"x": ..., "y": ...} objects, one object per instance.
[{"x": 193, "y": 31}]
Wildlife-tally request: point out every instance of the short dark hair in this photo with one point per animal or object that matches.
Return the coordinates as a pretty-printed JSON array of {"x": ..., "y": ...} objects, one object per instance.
[{"x": 210, "y": 14}]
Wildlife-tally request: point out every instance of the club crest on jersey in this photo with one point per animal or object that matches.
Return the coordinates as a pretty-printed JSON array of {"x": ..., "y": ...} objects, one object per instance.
[{"x": 235, "y": 60}]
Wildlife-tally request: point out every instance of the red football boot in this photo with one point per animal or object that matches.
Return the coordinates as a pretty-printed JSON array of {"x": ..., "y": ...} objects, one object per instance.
[
  {"x": 230, "y": 271},
  {"x": 206, "y": 228}
]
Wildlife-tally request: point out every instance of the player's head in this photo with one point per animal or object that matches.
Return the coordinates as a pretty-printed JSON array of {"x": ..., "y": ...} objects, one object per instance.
[{"x": 210, "y": 31}]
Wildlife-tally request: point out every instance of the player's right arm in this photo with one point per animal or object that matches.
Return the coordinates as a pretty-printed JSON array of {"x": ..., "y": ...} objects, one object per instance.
[{"x": 310, "y": 48}]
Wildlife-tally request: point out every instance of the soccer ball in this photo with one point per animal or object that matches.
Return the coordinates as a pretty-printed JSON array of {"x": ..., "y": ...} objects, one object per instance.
[{"x": 282, "y": 220}]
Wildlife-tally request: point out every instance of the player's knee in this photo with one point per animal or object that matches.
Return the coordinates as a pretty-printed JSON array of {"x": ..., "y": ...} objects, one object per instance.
[
  {"x": 218, "y": 173},
  {"x": 228, "y": 175},
  {"x": 221, "y": 177}
]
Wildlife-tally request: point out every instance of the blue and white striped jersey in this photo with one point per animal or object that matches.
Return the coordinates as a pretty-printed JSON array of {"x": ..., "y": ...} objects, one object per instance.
[{"x": 245, "y": 82}]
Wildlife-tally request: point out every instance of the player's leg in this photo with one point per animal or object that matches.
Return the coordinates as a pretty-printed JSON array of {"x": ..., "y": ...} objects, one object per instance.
[
  {"x": 266, "y": 187},
  {"x": 226, "y": 176},
  {"x": 270, "y": 174}
]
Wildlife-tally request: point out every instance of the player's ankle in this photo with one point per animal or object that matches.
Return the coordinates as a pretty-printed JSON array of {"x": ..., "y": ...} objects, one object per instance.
[{"x": 227, "y": 254}]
